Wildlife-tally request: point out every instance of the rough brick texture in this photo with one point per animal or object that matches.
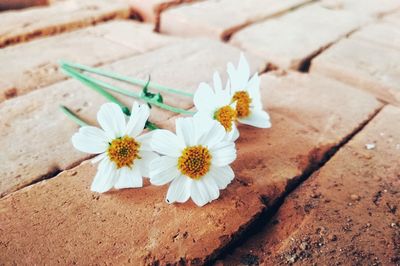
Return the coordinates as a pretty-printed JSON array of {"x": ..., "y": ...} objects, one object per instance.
[
  {"x": 28, "y": 116},
  {"x": 92, "y": 46},
  {"x": 220, "y": 19},
  {"x": 382, "y": 34},
  {"x": 137, "y": 226},
  {"x": 283, "y": 42},
  {"x": 367, "y": 7},
  {"x": 363, "y": 64},
  {"x": 347, "y": 212},
  {"x": 23, "y": 25}
]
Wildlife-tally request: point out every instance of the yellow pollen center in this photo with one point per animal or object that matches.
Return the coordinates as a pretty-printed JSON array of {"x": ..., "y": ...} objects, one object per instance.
[
  {"x": 195, "y": 161},
  {"x": 225, "y": 115},
  {"x": 123, "y": 151},
  {"x": 243, "y": 102}
]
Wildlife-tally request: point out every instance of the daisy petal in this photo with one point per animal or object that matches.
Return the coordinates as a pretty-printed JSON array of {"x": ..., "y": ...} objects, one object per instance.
[
  {"x": 244, "y": 70},
  {"x": 222, "y": 176},
  {"x": 253, "y": 87},
  {"x": 145, "y": 141},
  {"x": 137, "y": 120},
  {"x": 90, "y": 140},
  {"x": 185, "y": 129},
  {"x": 223, "y": 154},
  {"x": 166, "y": 143},
  {"x": 213, "y": 135},
  {"x": 129, "y": 178},
  {"x": 233, "y": 135},
  {"x": 257, "y": 118},
  {"x": 212, "y": 187},
  {"x": 217, "y": 82},
  {"x": 105, "y": 178},
  {"x": 163, "y": 170},
  {"x": 199, "y": 193},
  {"x": 179, "y": 190},
  {"x": 233, "y": 77},
  {"x": 98, "y": 158},
  {"x": 204, "y": 97},
  {"x": 112, "y": 120},
  {"x": 146, "y": 157}
]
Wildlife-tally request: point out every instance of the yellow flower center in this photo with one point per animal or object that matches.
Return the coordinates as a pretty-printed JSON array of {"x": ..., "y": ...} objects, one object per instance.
[
  {"x": 123, "y": 151},
  {"x": 243, "y": 102},
  {"x": 225, "y": 115},
  {"x": 195, "y": 161}
]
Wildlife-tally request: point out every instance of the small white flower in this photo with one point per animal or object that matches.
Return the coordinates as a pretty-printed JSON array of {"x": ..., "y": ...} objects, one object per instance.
[
  {"x": 246, "y": 92},
  {"x": 217, "y": 104},
  {"x": 196, "y": 159},
  {"x": 124, "y": 155}
]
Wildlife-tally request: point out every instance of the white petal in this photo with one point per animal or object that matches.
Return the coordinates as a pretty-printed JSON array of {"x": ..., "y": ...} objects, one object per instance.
[
  {"x": 145, "y": 140},
  {"x": 212, "y": 187},
  {"x": 163, "y": 170},
  {"x": 112, "y": 120},
  {"x": 203, "y": 98},
  {"x": 199, "y": 193},
  {"x": 90, "y": 140},
  {"x": 257, "y": 118},
  {"x": 253, "y": 88},
  {"x": 179, "y": 190},
  {"x": 233, "y": 135},
  {"x": 98, "y": 158},
  {"x": 146, "y": 157},
  {"x": 217, "y": 82},
  {"x": 214, "y": 135},
  {"x": 243, "y": 69},
  {"x": 137, "y": 120},
  {"x": 186, "y": 130},
  {"x": 222, "y": 176},
  {"x": 234, "y": 78},
  {"x": 106, "y": 176},
  {"x": 167, "y": 143},
  {"x": 223, "y": 154},
  {"x": 129, "y": 178}
]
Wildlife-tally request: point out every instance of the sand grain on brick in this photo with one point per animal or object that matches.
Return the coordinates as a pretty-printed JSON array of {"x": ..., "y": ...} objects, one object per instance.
[
  {"x": 92, "y": 46},
  {"x": 183, "y": 66},
  {"x": 137, "y": 225},
  {"x": 219, "y": 19},
  {"x": 283, "y": 42},
  {"x": 23, "y": 25},
  {"x": 363, "y": 64},
  {"x": 346, "y": 212}
]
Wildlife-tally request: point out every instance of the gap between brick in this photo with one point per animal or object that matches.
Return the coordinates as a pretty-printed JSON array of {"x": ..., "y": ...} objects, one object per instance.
[{"x": 260, "y": 220}]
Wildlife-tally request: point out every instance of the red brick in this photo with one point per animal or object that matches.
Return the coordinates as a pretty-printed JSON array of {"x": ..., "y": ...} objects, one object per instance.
[
  {"x": 367, "y": 7},
  {"x": 383, "y": 33},
  {"x": 220, "y": 19},
  {"x": 363, "y": 64},
  {"x": 291, "y": 40},
  {"x": 344, "y": 214},
  {"x": 22, "y": 25},
  {"x": 37, "y": 118},
  {"x": 136, "y": 225},
  {"x": 18, "y": 4},
  {"x": 93, "y": 46}
]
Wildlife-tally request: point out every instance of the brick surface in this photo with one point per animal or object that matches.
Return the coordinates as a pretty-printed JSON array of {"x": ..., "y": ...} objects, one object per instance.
[
  {"x": 28, "y": 116},
  {"x": 393, "y": 18},
  {"x": 220, "y": 19},
  {"x": 22, "y": 25},
  {"x": 93, "y": 46},
  {"x": 135, "y": 225},
  {"x": 283, "y": 42},
  {"x": 346, "y": 213},
  {"x": 17, "y": 4},
  {"x": 363, "y": 64},
  {"x": 368, "y": 7},
  {"x": 382, "y": 34}
]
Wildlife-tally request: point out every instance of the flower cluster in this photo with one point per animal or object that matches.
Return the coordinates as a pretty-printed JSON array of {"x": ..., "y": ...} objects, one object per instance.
[{"x": 195, "y": 160}]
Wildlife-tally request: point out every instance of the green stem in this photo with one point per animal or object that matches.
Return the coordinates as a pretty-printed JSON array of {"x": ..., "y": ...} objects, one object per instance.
[
  {"x": 98, "y": 85},
  {"x": 130, "y": 80},
  {"x": 71, "y": 115}
]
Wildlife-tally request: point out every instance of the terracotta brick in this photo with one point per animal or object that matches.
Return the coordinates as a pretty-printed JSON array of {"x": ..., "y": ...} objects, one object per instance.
[
  {"x": 220, "y": 19},
  {"x": 363, "y": 64},
  {"x": 18, "y": 4},
  {"x": 344, "y": 214},
  {"x": 136, "y": 225},
  {"x": 283, "y": 42},
  {"x": 382, "y": 33},
  {"x": 36, "y": 115},
  {"x": 367, "y": 7},
  {"x": 93, "y": 46},
  {"x": 22, "y": 25}
]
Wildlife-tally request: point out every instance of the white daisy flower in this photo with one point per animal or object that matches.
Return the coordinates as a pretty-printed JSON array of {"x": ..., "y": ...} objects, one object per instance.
[
  {"x": 124, "y": 155},
  {"x": 246, "y": 92},
  {"x": 216, "y": 103},
  {"x": 196, "y": 159}
]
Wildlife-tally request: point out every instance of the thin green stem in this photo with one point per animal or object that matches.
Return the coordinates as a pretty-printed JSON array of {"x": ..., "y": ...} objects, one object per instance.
[
  {"x": 71, "y": 115},
  {"x": 98, "y": 85},
  {"x": 130, "y": 80}
]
